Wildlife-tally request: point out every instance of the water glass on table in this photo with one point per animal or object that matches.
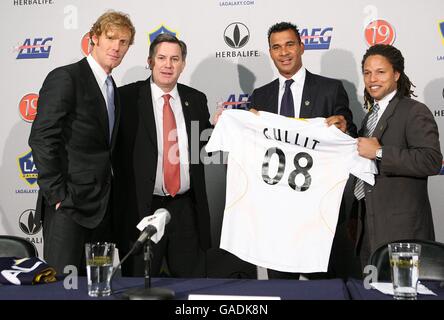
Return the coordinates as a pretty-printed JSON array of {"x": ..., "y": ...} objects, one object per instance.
[
  {"x": 99, "y": 267},
  {"x": 404, "y": 262}
]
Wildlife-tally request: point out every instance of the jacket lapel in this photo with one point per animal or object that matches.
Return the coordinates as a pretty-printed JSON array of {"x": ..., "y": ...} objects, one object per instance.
[
  {"x": 382, "y": 123},
  {"x": 146, "y": 111},
  {"x": 187, "y": 110},
  {"x": 273, "y": 96},
  {"x": 93, "y": 95},
  {"x": 308, "y": 96}
]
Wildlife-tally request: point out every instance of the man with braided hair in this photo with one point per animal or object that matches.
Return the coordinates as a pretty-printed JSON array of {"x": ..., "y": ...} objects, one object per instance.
[{"x": 401, "y": 135}]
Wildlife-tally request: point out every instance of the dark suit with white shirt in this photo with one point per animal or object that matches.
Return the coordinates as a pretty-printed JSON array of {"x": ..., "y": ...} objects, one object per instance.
[
  {"x": 187, "y": 235},
  {"x": 73, "y": 152},
  {"x": 397, "y": 206},
  {"x": 321, "y": 97}
]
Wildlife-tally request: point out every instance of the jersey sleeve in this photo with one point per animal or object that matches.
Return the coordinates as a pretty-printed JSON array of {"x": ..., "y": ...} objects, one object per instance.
[
  {"x": 363, "y": 168},
  {"x": 220, "y": 139}
]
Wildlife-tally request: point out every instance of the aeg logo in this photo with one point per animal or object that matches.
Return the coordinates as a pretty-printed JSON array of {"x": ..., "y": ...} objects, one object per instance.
[
  {"x": 317, "y": 38},
  {"x": 39, "y": 48},
  {"x": 234, "y": 103}
]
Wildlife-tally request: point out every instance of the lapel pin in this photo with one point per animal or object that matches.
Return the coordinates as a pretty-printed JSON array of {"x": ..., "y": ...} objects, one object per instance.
[
  {"x": 186, "y": 103},
  {"x": 307, "y": 103}
]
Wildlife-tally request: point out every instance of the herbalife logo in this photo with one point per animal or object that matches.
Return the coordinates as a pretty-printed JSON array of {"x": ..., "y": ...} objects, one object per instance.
[
  {"x": 30, "y": 222},
  {"x": 236, "y": 35}
]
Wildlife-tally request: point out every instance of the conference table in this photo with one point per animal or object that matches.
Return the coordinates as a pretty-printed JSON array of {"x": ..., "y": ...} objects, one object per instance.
[{"x": 334, "y": 289}]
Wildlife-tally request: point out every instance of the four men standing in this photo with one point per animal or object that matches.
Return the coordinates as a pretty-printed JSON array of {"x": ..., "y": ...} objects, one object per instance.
[{"x": 88, "y": 135}]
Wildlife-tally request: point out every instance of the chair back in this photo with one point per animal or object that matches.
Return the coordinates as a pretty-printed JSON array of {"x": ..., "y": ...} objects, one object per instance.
[
  {"x": 431, "y": 260},
  {"x": 12, "y": 246}
]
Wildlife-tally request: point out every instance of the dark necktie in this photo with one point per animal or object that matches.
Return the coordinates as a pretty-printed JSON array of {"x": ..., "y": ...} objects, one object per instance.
[
  {"x": 287, "y": 104},
  {"x": 369, "y": 128},
  {"x": 110, "y": 104},
  {"x": 171, "y": 163}
]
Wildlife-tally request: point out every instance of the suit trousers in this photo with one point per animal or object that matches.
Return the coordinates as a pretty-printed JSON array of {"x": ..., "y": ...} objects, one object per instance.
[
  {"x": 363, "y": 244},
  {"x": 179, "y": 246},
  {"x": 64, "y": 239}
]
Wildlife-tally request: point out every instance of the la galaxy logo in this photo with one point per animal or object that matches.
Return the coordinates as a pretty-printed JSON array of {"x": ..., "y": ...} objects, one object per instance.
[
  {"x": 29, "y": 222},
  {"x": 28, "y": 170},
  {"x": 37, "y": 48},
  {"x": 162, "y": 29},
  {"x": 441, "y": 30}
]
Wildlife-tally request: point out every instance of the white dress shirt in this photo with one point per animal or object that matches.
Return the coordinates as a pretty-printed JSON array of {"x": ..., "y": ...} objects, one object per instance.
[
  {"x": 296, "y": 90},
  {"x": 100, "y": 76},
  {"x": 383, "y": 103},
  {"x": 158, "y": 101}
]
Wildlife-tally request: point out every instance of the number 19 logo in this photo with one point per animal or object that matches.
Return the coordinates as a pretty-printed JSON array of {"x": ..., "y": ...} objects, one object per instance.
[
  {"x": 28, "y": 107},
  {"x": 301, "y": 168},
  {"x": 379, "y": 32}
]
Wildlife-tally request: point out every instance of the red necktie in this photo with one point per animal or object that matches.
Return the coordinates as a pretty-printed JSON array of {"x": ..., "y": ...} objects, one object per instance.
[{"x": 171, "y": 163}]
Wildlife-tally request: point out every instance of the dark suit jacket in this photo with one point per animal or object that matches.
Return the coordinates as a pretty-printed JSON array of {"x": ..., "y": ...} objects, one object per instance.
[
  {"x": 397, "y": 206},
  {"x": 321, "y": 97},
  {"x": 136, "y": 158},
  {"x": 70, "y": 144}
]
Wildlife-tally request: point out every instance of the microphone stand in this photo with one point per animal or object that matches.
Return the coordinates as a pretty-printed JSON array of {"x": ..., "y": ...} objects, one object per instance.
[
  {"x": 147, "y": 259},
  {"x": 148, "y": 293}
]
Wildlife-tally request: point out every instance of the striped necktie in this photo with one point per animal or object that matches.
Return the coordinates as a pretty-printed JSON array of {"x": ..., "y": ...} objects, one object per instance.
[{"x": 369, "y": 128}]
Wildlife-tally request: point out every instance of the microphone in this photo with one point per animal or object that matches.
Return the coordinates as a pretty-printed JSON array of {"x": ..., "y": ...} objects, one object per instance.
[
  {"x": 153, "y": 228},
  {"x": 153, "y": 224}
]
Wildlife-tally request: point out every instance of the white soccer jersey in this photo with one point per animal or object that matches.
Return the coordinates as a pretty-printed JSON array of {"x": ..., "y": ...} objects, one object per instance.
[{"x": 285, "y": 181}]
